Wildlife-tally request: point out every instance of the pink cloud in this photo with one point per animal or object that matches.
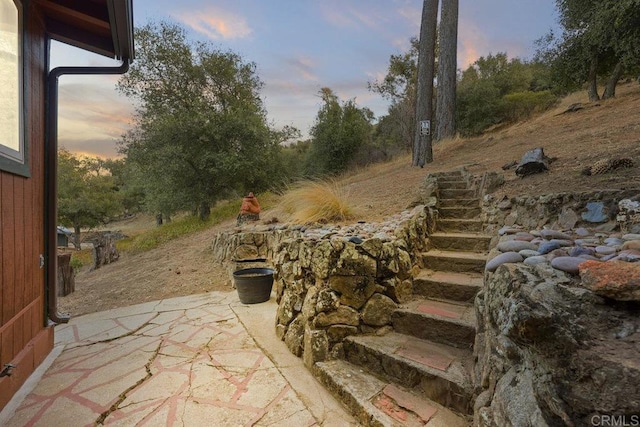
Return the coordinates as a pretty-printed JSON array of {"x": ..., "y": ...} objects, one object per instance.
[{"x": 216, "y": 23}]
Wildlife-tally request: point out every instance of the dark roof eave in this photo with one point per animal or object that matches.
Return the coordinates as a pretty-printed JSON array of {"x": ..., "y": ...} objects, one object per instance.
[{"x": 121, "y": 17}]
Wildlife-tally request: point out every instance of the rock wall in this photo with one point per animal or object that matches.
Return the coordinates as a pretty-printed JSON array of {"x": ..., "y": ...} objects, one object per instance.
[
  {"x": 559, "y": 346},
  {"x": 550, "y": 352},
  {"x": 557, "y": 210},
  {"x": 332, "y": 283},
  {"x": 247, "y": 244}
]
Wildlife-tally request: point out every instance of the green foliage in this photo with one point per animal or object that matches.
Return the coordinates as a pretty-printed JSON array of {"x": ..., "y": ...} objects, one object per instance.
[
  {"x": 597, "y": 37},
  {"x": 395, "y": 131},
  {"x": 129, "y": 184},
  {"x": 401, "y": 77},
  {"x": 497, "y": 90},
  {"x": 293, "y": 159},
  {"x": 340, "y": 130},
  {"x": 81, "y": 258},
  {"x": 201, "y": 132},
  {"x": 87, "y": 195},
  {"x": 177, "y": 228},
  {"x": 522, "y": 105}
]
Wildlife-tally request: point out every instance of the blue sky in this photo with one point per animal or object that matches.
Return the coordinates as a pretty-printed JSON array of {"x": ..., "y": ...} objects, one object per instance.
[{"x": 299, "y": 46}]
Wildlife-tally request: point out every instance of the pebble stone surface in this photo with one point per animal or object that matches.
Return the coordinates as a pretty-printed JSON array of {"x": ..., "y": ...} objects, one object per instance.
[{"x": 564, "y": 250}]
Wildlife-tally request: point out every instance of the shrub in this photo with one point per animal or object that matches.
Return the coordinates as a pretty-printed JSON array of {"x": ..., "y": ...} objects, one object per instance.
[
  {"x": 317, "y": 201},
  {"x": 522, "y": 105}
]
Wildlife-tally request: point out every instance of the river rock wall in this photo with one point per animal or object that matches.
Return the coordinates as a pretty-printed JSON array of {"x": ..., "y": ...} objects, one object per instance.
[
  {"x": 332, "y": 283},
  {"x": 559, "y": 346}
]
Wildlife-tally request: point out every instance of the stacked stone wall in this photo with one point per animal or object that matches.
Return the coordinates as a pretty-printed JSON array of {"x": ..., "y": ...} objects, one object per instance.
[{"x": 330, "y": 285}]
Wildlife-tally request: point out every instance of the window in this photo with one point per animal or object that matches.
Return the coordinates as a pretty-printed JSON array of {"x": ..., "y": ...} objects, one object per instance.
[{"x": 13, "y": 156}]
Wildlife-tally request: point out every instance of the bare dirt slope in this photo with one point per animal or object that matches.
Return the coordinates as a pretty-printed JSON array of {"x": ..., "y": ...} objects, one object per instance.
[{"x": 608, "y": 129}]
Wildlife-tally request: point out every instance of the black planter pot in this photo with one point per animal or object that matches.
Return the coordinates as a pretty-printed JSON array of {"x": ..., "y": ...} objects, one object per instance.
[{"x": 253, "y": 284}]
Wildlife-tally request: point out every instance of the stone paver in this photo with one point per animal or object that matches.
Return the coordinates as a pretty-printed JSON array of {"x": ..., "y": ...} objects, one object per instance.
[{"x": 201, "y": 360}]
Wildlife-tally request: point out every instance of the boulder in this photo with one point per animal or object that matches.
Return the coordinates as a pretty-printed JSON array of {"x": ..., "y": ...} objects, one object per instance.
[
  {"x": 616, "y": 280},
  {"x": 378, "y": 310}
]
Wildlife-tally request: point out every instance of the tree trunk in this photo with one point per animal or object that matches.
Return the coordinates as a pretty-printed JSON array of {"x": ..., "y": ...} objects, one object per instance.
[
  {"x": 447, "y": 70},
  {"x": 593, "y": 79},
  {"x": 533, "y": 161},
  {"x": 66, "y": 275},
  {"x": 104, "y": 250},
  {"x": 158, "y": 220},
  {"x": 422, "y": 150},
  {"x": 204, "y": 211},
  {"x": 610, "y": 90},
  {"x": 76, "y": 237}
]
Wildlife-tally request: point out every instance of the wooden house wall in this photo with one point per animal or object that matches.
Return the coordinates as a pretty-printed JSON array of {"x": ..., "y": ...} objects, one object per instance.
[{"x": 24, "y": 339}]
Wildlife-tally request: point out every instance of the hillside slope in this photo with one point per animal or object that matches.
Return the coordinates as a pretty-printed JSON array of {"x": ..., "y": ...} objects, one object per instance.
[{"x": 608, "y": 129}]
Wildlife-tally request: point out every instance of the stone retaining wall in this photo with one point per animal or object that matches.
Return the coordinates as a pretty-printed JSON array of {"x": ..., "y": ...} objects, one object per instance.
[
  {"x": 564, "y": 210},
  {"x": 549, "y": 351},
  {"x": 339, "y": 285}
]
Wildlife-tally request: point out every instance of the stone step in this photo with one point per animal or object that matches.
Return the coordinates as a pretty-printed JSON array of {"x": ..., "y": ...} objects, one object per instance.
[
  {"x": 469, "y": 242},
  {"x": 445, "y": 285},
  {"x": 435, "y": 371},
  {"x": 461, "y": 212},
  {"x": 455, "y": 261},
  {"x": 457, "y": 194},
  {"x": 458, "y": 202},
  {"x": 443, "y": 322},
  {"x": 375, "y": 402},
  {"x": 452, "y": 185},
  {"x": 460, "y": 225},
  {"x": 450, "y": 175}
]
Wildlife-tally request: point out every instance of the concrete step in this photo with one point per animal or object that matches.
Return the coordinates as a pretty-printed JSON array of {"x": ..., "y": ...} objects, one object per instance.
[
  {"x": 460, "y": 212},
  {"x": 460, "y": 225},
  {"x": 470, "y": 242},
  {"x": 445, "y": 285},
  {"x": 375, "y": 402},
  {"x": 435, "y": 371},
  {"x": 454, "y": 261},
  {"x": 457, "y": 194},
  {"x": 452, "y": 185},
  {"x": 458, "y": 202},
  {"x": 448, "y": 323}
]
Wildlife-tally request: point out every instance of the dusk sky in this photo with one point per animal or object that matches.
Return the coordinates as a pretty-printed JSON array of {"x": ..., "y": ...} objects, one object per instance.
[{"x": 299, "y": 46}]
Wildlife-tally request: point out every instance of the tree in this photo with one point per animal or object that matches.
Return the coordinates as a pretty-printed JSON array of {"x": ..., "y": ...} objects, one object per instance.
[
  {"x": 201, "y": 130},
  {"x": 129, "y": 182},
  {"x": 599, "y": 38},
  {"x": 399, "y": 87},
  {"x": 422, "y": 149},
  {"x": 87, "y": 196},
  {"x": 337, "y": 134},
  {"x": 447, "y": 70}
]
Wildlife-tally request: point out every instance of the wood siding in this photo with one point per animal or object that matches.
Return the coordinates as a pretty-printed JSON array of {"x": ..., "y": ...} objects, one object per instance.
[{"x": 22, "y": 288}]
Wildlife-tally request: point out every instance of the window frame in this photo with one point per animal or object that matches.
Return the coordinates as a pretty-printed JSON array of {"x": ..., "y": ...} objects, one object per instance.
[{"x": 17, "y": 161}]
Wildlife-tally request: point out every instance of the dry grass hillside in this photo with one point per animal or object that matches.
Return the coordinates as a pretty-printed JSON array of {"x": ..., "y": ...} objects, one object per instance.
[{"x": 608, "y": 129}]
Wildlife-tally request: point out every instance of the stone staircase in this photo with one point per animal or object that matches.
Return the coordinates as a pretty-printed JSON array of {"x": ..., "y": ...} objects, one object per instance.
[{"x": 420, "y": 373}]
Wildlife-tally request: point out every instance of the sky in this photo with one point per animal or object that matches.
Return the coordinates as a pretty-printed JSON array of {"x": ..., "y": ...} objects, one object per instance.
[{"x": 299, "y": 46}]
